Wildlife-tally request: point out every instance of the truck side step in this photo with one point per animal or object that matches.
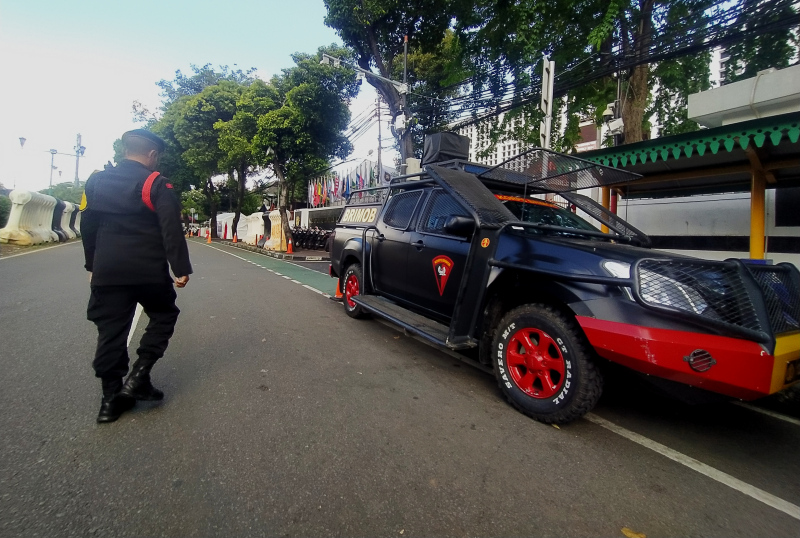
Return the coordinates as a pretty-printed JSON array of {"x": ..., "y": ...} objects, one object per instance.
[{"x": 430, "y": 330}]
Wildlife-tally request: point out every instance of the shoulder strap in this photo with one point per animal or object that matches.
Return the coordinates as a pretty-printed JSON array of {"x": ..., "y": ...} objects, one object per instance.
[{"x": 148, "y": 186}]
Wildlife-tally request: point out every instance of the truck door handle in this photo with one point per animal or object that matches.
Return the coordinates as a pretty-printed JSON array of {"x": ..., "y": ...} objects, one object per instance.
[
  {"x": 380, "y": 238},
  {"x": 419, "y": 244}
]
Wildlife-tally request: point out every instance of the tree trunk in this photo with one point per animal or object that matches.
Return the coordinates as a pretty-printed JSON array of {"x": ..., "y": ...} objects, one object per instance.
[
  {"x": 242, "y": 173},
  {"x": 208, "y": 190},
  {"x": 633, "y": 110},
  {"x": 638, "y": 83},
  {"x": 283, "y": 194},
  {"x": 388, "y": 91}
]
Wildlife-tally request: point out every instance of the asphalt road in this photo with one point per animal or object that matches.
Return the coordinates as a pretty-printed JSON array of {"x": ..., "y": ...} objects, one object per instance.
[{"x": 285, "y": 417}]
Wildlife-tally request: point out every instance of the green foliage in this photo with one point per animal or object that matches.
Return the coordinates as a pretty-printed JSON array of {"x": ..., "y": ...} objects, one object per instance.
[
  {"x": 432, "y": 77},
  {"x": 767, "y": 49},
  {"x": 195, "y": 199},
  {"x": 311, "y": 116},
  {"x": 202, "y": 78},
  {"x": 375, "y": 30},
  {"x": 66, "y": 191},
  {"x": 251, "y": 203},
  {"x": 504, "y": 41},
  {"x": 119, "y": 152},
  {"x": 5, "y": 209}
]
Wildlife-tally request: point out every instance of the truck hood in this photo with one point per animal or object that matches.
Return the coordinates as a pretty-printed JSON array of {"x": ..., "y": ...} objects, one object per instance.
[
  {"x": 570, "y": 254},
  {"x": 615, "y": 251}
]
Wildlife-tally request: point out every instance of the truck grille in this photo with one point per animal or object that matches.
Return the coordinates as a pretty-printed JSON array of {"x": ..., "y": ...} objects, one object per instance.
[
  {"x": 781, "y": 295},
  {"x": 712, "y": 291}
]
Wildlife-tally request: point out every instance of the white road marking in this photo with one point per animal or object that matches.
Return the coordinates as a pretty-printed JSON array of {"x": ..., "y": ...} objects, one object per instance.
[
  {"x": 715, "y": 474},
  {"x": 288, "y": 262},
  {"x": 296, "y": 281},
  {"x": 315, "y": 290},
  {"x": 136, "y": 317},
  {"x": 40, "y": 250},
  {"x": 773, "y": 414}
]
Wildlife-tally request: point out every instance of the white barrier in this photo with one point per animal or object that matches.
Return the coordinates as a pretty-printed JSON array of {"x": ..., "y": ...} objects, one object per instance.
[
  {"x": 69, "y": 207},
  {"x": 254, "y": 229},
  {"x": 77, "y": 225},
  {"x": 277, "y": 240},
  {"x": 31, "y": 219}
]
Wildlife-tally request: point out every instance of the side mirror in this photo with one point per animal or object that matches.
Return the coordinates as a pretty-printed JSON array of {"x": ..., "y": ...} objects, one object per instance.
[{"x": 460, "y": 226}]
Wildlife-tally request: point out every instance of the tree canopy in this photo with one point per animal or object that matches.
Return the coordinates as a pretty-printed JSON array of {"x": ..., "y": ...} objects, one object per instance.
[{"x": 304, "y": 130}]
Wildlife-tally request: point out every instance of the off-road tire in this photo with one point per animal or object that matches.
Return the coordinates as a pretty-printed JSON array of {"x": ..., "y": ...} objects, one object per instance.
[
  {"x": 353, "y": 275},
  {"x": 579, "y": 385}
]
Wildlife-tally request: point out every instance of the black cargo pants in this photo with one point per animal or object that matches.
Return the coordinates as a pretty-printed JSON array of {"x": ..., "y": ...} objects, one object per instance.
[{"x": 112, "y": 308}]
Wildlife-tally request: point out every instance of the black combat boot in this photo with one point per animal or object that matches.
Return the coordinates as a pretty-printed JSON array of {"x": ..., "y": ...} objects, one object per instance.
[
  {"x": 138, "y": 384},
  {"x": 114, "y": 402}
]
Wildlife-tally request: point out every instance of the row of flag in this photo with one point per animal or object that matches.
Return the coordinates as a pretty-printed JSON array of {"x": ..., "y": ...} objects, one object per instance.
[{"x": 333, "y": 187}]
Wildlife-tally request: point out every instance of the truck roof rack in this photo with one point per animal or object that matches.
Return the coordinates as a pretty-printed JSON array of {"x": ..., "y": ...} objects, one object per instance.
[{"x": 542, "y": 170}]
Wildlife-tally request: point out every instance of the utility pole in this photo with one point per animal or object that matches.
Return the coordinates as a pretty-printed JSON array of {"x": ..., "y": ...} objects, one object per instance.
[
  {"x": 78, "y": 154},
  {"x": 403, "y": 154},
  {"x": 546, "y": 105},
  {"x": 52, "y": 167},
  {"x": 380, "y": 143}
]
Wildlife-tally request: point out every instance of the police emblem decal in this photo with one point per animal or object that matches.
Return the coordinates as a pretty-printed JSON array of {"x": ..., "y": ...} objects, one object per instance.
[{"x": 442, "y": 266}]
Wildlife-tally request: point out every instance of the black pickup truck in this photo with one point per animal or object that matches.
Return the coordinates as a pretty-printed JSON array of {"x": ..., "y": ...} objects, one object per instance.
[{"x": 464, "y": 256}]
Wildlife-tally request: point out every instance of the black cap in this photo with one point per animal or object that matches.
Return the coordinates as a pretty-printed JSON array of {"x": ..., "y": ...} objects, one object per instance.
[{"x": 144, "y": 133}]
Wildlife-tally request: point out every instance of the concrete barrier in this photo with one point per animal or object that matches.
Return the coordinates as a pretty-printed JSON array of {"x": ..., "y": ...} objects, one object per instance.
[
  {"x": 31, "y": 219},
  {"x": 55, "y": 225},
  {"x": 254, "y": 229},
  {"x": 66, "y": 217},
  {"x": 277, "y": 240},
  {"x": 75, "y": 221}
]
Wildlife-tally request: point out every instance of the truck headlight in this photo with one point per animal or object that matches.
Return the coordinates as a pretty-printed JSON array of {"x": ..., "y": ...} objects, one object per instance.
[
  {"x": 617, "y": 269},
  {"x": 662, "y": 290}
]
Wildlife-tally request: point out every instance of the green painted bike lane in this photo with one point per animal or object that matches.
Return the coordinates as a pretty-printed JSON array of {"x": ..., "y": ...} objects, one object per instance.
[{"x": 296, "y": 274}]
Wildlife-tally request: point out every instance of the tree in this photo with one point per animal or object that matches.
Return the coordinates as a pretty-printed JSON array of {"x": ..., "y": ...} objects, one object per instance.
[
  {"x": 504, "y": 43},
  {"x": 5, "y": 209},
  {"x": 202, "y": 78},
  {"x": 188, "y": 126},
  {"x": 375, "y": 30},
  {"x": 433, "y": 76},
  {"x": 236, "y": 135},
  {"x": 194, "y": 200},
  {"x": 306, "y": 127},
  {"x": 774, "y": 48},
  {"x": 191, "y": 164},
  {"x": 66, "y": 191}
]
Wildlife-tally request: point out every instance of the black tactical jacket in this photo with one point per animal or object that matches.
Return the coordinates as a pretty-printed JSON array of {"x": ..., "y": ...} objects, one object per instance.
[{"x": 125, "y": 242}]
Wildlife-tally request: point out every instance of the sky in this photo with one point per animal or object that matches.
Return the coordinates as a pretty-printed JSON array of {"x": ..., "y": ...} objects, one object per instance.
[{"x": 77, "y": 67}]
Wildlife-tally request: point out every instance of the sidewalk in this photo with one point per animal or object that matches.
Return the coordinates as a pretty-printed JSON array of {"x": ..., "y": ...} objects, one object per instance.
[{"x": 298, "y": 255}]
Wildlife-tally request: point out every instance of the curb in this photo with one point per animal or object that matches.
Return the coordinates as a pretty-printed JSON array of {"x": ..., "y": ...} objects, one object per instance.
[{"x": 274, "y": 254}]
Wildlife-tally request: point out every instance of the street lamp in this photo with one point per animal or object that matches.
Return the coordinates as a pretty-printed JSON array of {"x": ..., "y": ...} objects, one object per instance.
[
  {"x": 79, "y": 151},
  {"x": 52, "y": 167},
  {"x": 399, "y": 121}
]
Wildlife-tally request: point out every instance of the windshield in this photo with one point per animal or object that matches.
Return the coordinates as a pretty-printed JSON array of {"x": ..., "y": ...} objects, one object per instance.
[{"x": 541, "y": 212}]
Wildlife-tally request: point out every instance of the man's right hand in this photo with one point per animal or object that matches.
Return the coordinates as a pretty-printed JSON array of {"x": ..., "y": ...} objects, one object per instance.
[{"x": 181, "y": 281}]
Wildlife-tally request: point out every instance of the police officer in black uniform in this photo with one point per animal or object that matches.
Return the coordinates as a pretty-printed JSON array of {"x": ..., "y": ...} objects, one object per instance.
[{"x": 131, "y": 227}]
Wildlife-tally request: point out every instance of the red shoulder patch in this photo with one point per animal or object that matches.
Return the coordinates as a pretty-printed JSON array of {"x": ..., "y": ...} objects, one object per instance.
[{"x": 168, "y": 185}]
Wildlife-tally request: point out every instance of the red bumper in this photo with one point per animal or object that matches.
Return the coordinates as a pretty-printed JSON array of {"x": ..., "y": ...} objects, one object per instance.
[{"x": 743, "y": 368}]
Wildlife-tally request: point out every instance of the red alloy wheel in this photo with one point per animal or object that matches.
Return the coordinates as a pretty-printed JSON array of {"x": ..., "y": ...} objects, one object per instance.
[
  {"x": 351, "y": 290},
  {"x": 535, "y": 363}
]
